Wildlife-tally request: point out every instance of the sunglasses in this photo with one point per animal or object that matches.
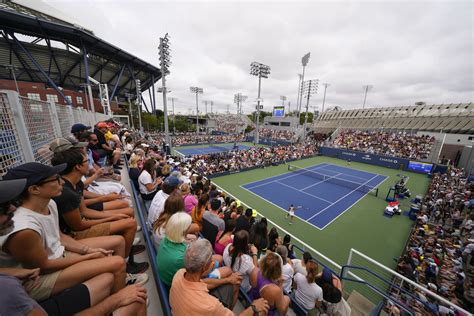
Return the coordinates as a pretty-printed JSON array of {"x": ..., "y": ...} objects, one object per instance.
[{"x": 56, "y": 178}]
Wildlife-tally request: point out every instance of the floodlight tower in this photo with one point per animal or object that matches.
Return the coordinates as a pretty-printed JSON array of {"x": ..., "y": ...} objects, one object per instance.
[
  {"x": 261, "y": 71},
  {"x": 326, "y": 85},
  {"x": 304, "y": 62},
  {"x": 174, "y": 114},
  {"x": 366, "y": 88},
  {"x": 238, "y": 100},
  {"x": 310, "y": 87},
  {"x": 197, "y": 90},
  {"x": 164, "y": 52},
  {"x": 129, "y": 99},
  {"x": 283, "y": 99},
  {"x": 139, "y": 104}
]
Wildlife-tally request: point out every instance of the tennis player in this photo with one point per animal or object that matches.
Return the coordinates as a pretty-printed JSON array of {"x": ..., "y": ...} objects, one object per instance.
[{"x": 291, "y": 213}]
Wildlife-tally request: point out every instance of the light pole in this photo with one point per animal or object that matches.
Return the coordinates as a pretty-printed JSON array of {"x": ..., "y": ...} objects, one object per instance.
[
  {"x": 129, "y": 98},
  {"x": 197, "y": 90},
  {"x": 139, "y": 104},
  {"x": 283, "y": 99},
  {"x": 310, "y": 88},
  {"x": 326, "y": 85},
  {"x": 261, "y": 71},
  {"x": 304, "y": 62},
  {"x": 238, "y": 99},
  {"x": 174, "y": 114},
  {"x": 212, "y": 103},
  {"x": 366, "y": 88},
  {"x": 299, "y": 92},
  {"x": 164, "y": 51}
]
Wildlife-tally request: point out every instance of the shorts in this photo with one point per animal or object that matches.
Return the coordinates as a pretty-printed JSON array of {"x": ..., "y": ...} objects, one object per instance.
[
  {"x": 69, "y": 302},
  {"x": 291, "y": 213},
  {"x": 225, "y": 294},
  {"x": 99, "y": 206},
  {"x": 44, "y": 286},
  {"x": 98, "y": 230},
  {"x": 102, "y": 152}
]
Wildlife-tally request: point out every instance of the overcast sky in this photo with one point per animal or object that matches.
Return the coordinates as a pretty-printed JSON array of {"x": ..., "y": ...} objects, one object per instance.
[{"x": 408, "y": 51}]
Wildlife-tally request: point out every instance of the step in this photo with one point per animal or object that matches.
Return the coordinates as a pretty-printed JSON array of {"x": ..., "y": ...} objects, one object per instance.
[{"x": 360, "y": 305}]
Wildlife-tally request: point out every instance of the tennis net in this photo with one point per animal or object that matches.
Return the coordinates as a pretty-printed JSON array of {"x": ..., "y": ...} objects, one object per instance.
[{"x": 361, "y": 187}]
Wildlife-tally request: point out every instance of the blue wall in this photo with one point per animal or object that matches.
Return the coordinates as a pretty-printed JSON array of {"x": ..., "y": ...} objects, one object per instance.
[{"x": 383, "y": 161}]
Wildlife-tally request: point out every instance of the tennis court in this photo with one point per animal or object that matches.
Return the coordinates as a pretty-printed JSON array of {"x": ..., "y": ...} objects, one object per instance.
[
  {"x": 321, "y": 192},
  {"x": 210, "y": 149}
]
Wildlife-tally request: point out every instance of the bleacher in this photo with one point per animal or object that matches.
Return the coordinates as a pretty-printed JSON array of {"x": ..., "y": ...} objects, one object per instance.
[{"x": 447, "y": 118}]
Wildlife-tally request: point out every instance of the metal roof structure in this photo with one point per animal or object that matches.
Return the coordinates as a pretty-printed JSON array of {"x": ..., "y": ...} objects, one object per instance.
[{"x": 43, "y": 48}]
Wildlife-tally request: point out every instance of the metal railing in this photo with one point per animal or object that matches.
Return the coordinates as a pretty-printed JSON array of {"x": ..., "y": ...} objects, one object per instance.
[{"x": 28, "y": 126}]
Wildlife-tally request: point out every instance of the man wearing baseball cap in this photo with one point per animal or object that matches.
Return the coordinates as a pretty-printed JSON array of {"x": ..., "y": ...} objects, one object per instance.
[
  {"x": 35, "y": 240},
  {"x": 62, "y": 144},
  {"x": 104, "y": 148},
  {"x": 170, "y": 185},
  {"x": 79, "y": 128}
]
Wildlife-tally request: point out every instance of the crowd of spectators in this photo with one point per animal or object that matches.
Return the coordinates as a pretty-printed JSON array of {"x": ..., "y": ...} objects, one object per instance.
[
  {"x": 230, "y": 123},
  {"x": 275, "y": 134},
  {"x": 397, "y": 144},
  {"x": 254, "y": 157},
  {"x": 67, "y": 232},
  {"x": 192, "y": 138},
  {"x": 439, "y": 251}
]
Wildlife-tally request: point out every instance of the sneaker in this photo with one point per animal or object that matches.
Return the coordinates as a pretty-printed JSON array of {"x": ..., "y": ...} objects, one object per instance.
[
  {"x": 137, "y": 267},
  {"x": 140, "y": 279},
  {"x": 137, "y": 249},
  {"x": 137, "y": 240}
]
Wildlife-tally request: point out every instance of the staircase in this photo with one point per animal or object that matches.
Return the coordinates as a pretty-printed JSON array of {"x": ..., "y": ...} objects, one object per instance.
[{"x": 360, "y": 305}]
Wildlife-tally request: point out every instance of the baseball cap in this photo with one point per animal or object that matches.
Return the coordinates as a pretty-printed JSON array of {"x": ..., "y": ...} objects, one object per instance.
[
  {"x": 216, "y": 204},
  {"x": 62, "y": 144},
  {"x": 327, "y": 275},
  {"x": 102, "y": 124},
  {"x": 248, "y": 212},
  {"x": 79, "y": 127},
  {"x": 172, "y": 181},
  {"x": 10, "y": 189},
  {"x": 33, "y": 172}
]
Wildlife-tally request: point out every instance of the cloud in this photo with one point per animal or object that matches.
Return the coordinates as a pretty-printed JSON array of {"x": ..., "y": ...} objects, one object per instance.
[{"x": 408, "y": 50}]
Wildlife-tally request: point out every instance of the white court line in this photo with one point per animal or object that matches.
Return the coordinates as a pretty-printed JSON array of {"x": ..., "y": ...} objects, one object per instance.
[
  {"x": 312, "y": 185},
  {"x": 342, "y": 197},
  {"x": 363, "y": 196},
  {"x": 281, "y": 208},
  {"x": 305, "y": 193},
  {"x": 276, "y": 180}
]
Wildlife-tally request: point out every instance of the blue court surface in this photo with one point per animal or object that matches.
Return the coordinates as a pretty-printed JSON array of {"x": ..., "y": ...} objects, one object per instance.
[
  {"x": 218, "y": 148},
  {"x": 320, "y": 193}
]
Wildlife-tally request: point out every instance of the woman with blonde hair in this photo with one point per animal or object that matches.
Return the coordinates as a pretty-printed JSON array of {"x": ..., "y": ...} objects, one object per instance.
[
  {"x": 174, "y": 204},
  {"x": 270, "y": 286}
]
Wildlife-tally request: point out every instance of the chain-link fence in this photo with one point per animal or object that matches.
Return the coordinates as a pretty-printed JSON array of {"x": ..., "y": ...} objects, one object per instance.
[
  {"x": 11, "y": 151},
  {"x": 27, "y": 127}
]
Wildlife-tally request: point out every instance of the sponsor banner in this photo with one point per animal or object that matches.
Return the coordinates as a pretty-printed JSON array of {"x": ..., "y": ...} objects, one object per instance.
[{"x": 383, "y": 161}]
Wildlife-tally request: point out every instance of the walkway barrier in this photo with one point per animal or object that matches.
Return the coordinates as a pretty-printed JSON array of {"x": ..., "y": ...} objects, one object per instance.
[
  {"x": 28, "y": 127},
  {"x": 161, "y": 288}
]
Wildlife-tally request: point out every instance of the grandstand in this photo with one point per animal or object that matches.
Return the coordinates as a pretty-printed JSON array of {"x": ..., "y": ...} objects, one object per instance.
[
  {"x": 340, "y": 178},
  {"x": 447, "y": 118}
]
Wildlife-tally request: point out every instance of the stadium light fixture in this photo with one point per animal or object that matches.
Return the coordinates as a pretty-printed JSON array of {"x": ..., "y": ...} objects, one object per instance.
[
  {"x": 238, "y": 100},
  {"x": 310, "y": 87},
  {"x": 197, "y": 90},
  {"x": 366, "y": 89},
  {"x": 304, "y": 63},
  {"x": 165, "y": 56},
  {"x": 139, "y": 103},
  {"x": 261, "y": 71},
  {"x": 174, "y": 114},
  {"x": 283, "y": 99},
  {"x": 326, "y": 85}
]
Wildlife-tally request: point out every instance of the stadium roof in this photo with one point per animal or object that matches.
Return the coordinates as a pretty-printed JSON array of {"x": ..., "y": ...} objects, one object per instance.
[{"x": 59, "y": 47}]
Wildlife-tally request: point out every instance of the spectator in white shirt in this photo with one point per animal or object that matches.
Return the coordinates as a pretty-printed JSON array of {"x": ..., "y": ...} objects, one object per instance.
[
  {"x": 287, "y": 268},
  {"x": 157, "y": 206},
  {"x": 307, "y": 293}
]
